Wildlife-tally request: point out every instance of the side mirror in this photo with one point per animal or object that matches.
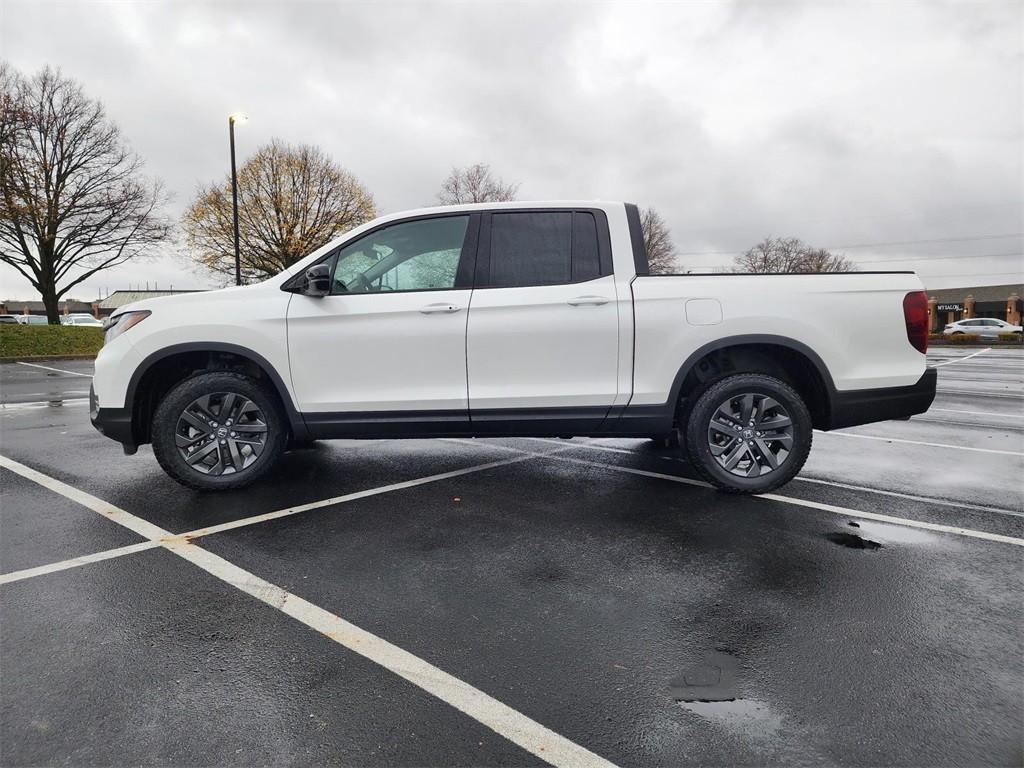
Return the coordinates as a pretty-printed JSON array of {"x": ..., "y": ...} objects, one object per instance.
[{"x": 318, "y": 281}]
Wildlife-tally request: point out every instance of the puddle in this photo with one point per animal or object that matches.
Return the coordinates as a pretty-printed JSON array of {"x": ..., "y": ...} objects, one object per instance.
[
  {"x": 897, "y": 534},
  {"x": 852, "y": 540},
  {"x": 712, "y": 680},
  {"x": 872, "y": 535},
  {"x": 709, "y": 689},
  {"x": 752, "y": 717}
]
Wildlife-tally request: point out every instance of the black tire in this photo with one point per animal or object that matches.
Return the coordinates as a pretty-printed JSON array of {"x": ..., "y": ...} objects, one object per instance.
[
  {"x": 731, "y": 390},
  {"x": 215, "y": 385}
]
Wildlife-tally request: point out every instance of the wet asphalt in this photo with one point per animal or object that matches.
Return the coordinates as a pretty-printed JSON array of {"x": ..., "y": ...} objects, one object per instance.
[{"x": 583, "y": 587}]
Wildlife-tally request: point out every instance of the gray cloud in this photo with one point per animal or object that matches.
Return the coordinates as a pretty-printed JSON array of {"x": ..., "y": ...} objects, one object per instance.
[{"x": 837, "y": 123}]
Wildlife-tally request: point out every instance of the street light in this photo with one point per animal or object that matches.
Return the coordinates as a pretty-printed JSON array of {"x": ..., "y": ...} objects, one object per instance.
[{"x": 236, "y": 118}]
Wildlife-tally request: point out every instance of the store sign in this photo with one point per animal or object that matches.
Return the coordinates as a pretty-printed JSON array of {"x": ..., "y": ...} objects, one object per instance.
[{"x": 949, "y": 307}]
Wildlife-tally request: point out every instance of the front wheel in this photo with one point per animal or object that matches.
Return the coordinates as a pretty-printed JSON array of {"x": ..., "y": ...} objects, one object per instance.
[
  {"x": 218, "y": 430},
  {"x": 748, "y": 433}
]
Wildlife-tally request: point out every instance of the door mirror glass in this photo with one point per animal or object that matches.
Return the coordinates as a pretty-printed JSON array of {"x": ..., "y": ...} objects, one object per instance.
[{"x": 318, "y": 281}]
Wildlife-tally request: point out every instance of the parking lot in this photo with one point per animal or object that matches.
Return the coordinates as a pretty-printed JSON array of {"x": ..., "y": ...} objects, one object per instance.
[{"x": 517, "y": 602}]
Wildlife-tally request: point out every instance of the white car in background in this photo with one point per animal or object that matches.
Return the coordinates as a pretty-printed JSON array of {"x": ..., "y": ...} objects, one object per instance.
[
  {"x": 32, "y": 319},
  {"x": 81, "y": 319},
  {"x": 981, "y": 326}
]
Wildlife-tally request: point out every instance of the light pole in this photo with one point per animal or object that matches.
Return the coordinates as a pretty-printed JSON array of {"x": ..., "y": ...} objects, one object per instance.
[{"x": 236, "y": 118}]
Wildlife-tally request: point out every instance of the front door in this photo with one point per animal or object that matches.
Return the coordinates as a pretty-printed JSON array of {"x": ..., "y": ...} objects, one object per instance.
[
  {"x": 542, "y": 344},
  {"x": 389, "y": 342}
]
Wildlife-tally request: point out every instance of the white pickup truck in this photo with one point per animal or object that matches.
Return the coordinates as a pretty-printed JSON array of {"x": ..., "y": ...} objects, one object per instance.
[{"x": 513, "y": 319}]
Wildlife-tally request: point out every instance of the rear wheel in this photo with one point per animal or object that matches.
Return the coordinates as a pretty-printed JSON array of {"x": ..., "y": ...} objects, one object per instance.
[
  {"x": 748, "y": 433},
  {"x": 218, "y": 430}
]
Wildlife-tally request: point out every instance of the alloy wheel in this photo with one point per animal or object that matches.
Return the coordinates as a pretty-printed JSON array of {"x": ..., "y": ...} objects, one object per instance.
[
  {"x": 221, "y": 433},
  {"x": 750, "y": 435}
]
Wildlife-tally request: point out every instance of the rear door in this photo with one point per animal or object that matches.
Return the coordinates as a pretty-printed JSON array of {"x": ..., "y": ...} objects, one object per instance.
[{"x": 542, "y": 340}]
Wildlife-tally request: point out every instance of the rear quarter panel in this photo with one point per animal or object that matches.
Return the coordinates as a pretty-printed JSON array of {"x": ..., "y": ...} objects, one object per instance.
[{"x": 853, "y": 321}]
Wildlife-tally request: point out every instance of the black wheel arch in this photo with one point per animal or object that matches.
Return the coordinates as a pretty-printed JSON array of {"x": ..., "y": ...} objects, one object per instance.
[
  {"x": 162, "y": 369},
  {"x": 780, "y": 356}
]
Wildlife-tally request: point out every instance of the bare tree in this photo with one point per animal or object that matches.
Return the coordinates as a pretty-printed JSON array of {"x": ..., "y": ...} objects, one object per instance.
[
  {"x": 661, "y": 252},
  {"x": 822, "y": 260},
  {"x": 291, "y": 201},
  {"x": 475, "y": 184},
  {"x": 789, "y": 254},
  {"x": 73, "y": 200}
]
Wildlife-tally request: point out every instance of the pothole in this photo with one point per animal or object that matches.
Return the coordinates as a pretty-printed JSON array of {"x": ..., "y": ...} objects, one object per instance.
[
  {"x": 852, "y": 540},
  {"x": 752, "y": 717},
  {"x": 711, "y": 680}
]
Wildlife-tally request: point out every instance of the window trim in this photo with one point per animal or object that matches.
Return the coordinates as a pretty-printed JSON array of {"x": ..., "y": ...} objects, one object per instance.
[
  {"x": 463, "y": 272},
  {"x": 634, "y": 220},
  {"x": 482, "y": 279}
]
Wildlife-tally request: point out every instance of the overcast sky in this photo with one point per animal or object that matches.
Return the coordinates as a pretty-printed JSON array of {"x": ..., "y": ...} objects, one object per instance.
[{"x": 847, "y": 125}]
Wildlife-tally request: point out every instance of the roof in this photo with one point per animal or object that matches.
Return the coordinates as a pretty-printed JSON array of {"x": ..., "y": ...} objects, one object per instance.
[
  {"x": 120, "y": 298},
  {"x": 980, "y": 293}
]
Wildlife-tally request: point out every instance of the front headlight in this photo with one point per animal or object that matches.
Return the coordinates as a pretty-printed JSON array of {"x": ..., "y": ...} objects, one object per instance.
[{"x": 115, "y": 325}]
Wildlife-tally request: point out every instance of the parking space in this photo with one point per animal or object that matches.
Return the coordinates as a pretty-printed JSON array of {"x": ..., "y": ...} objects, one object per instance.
[{"x": 518, "y": 601}]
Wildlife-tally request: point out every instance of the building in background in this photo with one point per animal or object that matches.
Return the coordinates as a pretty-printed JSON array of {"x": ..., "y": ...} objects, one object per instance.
[
  {"x": 18, "y": 307},
  {"x": 99, "y": 309},
  {"x": 1002, "y": 302},
  {"x": 118, "y": 299}
]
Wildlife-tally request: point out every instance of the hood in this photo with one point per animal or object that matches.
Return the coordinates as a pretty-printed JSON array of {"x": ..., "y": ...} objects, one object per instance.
[{"x": 189, "y": 302}]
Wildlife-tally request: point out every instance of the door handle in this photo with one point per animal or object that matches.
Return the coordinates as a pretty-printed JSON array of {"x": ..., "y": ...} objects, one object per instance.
[
  {"x": 432, "y": 309},
  {"x": 580, "y": 301}
]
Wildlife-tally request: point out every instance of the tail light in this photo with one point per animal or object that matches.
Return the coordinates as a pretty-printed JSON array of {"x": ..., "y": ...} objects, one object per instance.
[{"x": 915, "y": 313}]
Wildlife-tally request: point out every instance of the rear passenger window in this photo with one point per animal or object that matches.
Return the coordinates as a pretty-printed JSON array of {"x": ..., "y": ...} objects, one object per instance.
[
  {"x": 531, "y": 249},
  {"x": 543, "y": 248}
]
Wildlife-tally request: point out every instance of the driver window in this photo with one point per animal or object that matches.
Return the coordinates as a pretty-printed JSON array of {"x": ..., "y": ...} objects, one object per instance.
[{"x": 409, "y": 256}]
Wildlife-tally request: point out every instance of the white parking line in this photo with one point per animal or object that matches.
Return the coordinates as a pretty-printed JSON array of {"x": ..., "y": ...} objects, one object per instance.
[
  {"x": 912, "y": 497},
  {"x": 985, "y": 535},
  {"x": 979, "y": 413},
  {"x": 144, "y": 528},
  {"x": 74, "y": 562},
  {"x": 921, "y": 442},
  {"x": 500, "y": 718},
  {"x": 953, "y": 391},
  {"x": 961, "y": 359},
  {"x": 44, "y": 403},
  {"x": 58, "y": 370},
  {"x": 815, "y": 480},
  {"x": 246, "y": 521}
]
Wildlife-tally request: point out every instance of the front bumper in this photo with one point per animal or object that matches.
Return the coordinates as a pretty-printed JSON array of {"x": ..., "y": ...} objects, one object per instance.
[
  {"x": 115, "y": 423},
  {"x": 864, "y": 406}
]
